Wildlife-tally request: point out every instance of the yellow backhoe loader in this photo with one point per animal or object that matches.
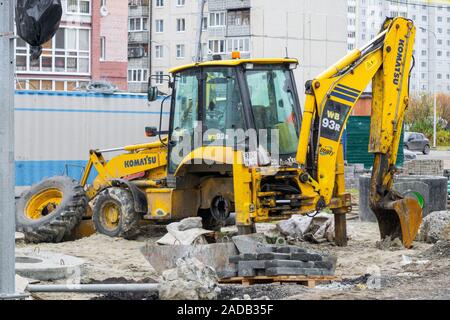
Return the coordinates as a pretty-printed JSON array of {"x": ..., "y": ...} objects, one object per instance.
[{"x": 214, "y": 159}]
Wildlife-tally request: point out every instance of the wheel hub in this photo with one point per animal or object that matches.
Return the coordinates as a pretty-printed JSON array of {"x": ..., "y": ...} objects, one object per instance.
[{"x": 43, "y": 203}]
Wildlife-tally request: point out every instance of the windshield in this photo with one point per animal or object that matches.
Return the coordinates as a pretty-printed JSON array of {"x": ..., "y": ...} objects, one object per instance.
[{"x": 273, "y": 105}]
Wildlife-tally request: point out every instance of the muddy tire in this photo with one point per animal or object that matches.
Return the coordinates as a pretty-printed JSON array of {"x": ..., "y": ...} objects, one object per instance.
[
  {"x": 114, "y": 214},
  {"x": 50, "y": 210}
]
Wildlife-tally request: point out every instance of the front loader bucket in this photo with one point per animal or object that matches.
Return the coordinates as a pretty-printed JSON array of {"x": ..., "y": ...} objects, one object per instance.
[{"x": 400, "y": 219}]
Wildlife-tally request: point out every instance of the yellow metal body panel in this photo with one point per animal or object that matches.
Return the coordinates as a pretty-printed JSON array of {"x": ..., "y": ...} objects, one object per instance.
[{"x": 235, "y": 62}]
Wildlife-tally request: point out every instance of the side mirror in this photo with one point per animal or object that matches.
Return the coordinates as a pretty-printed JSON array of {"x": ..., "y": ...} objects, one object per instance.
[
  {"x": 151, "y": 132},
  {"x": 152, "y": 93}
]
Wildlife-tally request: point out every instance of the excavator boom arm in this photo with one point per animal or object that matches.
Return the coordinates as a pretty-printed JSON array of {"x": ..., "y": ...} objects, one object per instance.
[{"x": 331, "y": 97}]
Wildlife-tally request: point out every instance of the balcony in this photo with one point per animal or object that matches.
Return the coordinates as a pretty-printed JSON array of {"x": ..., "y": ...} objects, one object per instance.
[
  {"x": 138, "y": 11},
  {"x": 138, "y": 37}
]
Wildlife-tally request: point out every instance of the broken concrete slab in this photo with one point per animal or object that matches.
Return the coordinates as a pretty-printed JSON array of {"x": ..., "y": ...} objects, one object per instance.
[
  {"x": 435, "y": 227},
  {"x": 250, "y": 243},
  {"x": 47, "y": 266},
  {"x": 215, "y": 255}
]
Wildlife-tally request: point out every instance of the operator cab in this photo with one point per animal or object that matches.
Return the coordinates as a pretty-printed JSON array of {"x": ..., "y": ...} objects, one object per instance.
[{"x": 225, "y": 102}]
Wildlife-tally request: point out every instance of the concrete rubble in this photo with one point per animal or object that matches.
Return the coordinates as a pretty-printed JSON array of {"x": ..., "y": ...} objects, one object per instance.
[
  {"x": 186, "y": 232},
  {"x": 435, "y": 227},
  {"x": 190, "y": 280},
  {"x": 317, "y": 229}
]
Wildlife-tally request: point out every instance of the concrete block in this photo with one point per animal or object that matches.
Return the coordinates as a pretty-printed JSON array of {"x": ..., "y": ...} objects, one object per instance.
[
  {"x": 323, "y": 265},
  {"x": 435, "y": 194},
  {"x": 289, "y": 249},
  {"x": 248, "y": 268},
  {"x": 242, "y": 257},
  {"x": 286, "y": 272},
  {"x": 288, "y": 264},
  {"x": 266, "y": 249},
  {"x": 306, "y": 256},
  {"x": 274, "y": 256}
]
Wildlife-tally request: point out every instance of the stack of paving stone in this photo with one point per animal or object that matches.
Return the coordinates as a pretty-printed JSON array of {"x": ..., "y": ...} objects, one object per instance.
[{"x": 283, "y": 261}]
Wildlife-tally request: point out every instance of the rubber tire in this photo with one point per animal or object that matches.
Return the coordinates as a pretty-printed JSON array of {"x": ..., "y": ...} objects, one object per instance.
[
  {"x": 61, "y": 222},
  {"x": 129, "y": 221},
  {"x": 426, "y": 150}
]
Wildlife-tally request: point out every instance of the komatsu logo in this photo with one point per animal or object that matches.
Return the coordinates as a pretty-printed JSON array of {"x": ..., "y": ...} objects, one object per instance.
[
  {"x": 398, "y": 62},
  {"x": 139, "y": 162}
]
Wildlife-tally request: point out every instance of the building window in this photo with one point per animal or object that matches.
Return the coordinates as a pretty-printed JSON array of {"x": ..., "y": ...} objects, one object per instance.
[
  {"x": 424, "y": 52},
  {"x": 350, "y": 46},
  {"x": 423, "y": 64},
  {"x": 68, "y": 52},
  {"x": 439, "y": 53},
  {"x": 159, "y": 52},
  {"x": 181, "y": 3},
  {"x": 180, "y": 51},
  {"x": 137, "y": 75},
  {"x": 181, "y": 25},
  {"x": 205, "y": 23},
  {"x": 159, "y": 3},
  {"x": 216, "y": 46},
  {"x": 159, "y": 79},
  {"x": 159, "y": 26},
  {"x": 217, "y": 19},
  {"x": 424, "y": 18},
  {"x": 238, "y": 44},
  {"x": 102, "y": 48},
  {"x": 351, "y": 34},
  {"x": 82, "y": 7},
  {"x": 351, "y": 9},
  {"x": 439, "y": 30},
  {"x": 239, "y": 18},
  {"x": 137, "y": 24},
  {"x": 439, "y": 76}
]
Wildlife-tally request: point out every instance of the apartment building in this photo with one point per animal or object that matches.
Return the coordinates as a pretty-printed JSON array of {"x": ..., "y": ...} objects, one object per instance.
[
  {"x": 88, "y": 46},
  {"x": 139, "y": 58},
  {"x": 432, "y": 46},
  {"x": 314, "y": 31}
]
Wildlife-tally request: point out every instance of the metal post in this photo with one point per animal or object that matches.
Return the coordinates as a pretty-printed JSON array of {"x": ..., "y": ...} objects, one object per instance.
[
  {"x": 435, "y": 116},
  {"x": 7, "y": 182}
]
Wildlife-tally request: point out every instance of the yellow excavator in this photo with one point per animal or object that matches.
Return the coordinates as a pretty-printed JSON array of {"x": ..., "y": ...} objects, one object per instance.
[{"x": 214, "y": 159}]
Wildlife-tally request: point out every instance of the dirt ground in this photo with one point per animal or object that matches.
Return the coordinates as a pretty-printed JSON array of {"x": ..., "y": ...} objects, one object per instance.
[{"x": 366, "y": 272}]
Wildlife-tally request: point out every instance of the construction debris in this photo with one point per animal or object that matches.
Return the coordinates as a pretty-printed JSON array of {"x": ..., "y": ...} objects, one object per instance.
[
  {"x": 186, "y": 232},
  {"x": 435, "y": 227},
  {"x": 190, "y": 280},
  {"x": 317, "y": 229}
]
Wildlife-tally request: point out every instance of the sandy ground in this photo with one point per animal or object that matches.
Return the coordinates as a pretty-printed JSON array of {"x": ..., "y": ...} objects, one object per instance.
[{"x": 426, "y": 278}]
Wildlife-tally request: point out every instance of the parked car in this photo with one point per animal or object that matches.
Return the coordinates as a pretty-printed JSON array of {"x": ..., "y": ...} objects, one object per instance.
[
  {"x": 417, "y": 142},
  {"x": 409, "y": 155}
]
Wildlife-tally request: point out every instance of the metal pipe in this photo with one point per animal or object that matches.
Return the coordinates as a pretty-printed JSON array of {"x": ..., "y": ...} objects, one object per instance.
[
  {"x": 7, "y": 181},
  {"x": 94, "y": 288}
]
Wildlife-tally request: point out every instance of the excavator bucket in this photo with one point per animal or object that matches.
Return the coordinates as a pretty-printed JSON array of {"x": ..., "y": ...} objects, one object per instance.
[{"x": 400, "y": 219}]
